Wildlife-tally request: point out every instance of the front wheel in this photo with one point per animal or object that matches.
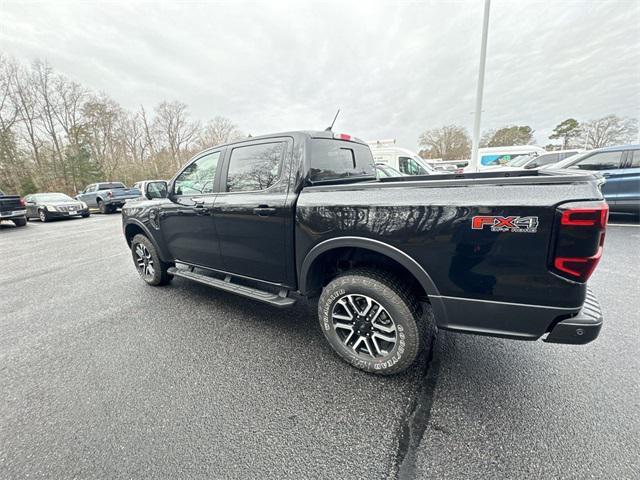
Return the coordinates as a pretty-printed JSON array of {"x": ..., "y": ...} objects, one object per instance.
[
  {"x": 147, "y": 261},
  {"x": 373, "y": 321},
  {"x": 42, "y": 215}
]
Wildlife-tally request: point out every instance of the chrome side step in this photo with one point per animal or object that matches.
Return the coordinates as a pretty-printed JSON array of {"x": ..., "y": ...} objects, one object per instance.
[{"x": 280, "y": 299}]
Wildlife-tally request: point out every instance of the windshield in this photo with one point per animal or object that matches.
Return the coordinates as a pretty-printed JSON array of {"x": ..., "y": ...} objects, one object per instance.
[
  {"x": 430, "y": 170},
  {"x": 520, "y": 161},
  {"x": 564, "y": 163},
  {"x": 52, "y": 197}
]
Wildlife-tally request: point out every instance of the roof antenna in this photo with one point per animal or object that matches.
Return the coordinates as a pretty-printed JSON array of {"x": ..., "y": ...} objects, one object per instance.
[{"x": 328, "y": 129}]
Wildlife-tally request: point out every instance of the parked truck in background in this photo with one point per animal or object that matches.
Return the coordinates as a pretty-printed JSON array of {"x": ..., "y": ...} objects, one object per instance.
[
  {"x": 12, "y": 208},
  {"x": 301, "y": 213},
  {"x": 107, "y": 196}
]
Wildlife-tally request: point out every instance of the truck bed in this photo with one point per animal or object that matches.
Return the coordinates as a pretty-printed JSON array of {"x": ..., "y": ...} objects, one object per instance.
[{"x": 429, "y": 219}]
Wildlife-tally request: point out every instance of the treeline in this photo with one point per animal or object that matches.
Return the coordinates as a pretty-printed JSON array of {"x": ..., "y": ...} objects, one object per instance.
[
  {"x": 57, "y": 135},
  {"x": 453, "y": 142}
]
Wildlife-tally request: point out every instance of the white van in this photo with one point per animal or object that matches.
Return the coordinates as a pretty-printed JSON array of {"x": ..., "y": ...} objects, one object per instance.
[
  {"x": 402, "y": 159},
  {"x": 497, "y": 156}
]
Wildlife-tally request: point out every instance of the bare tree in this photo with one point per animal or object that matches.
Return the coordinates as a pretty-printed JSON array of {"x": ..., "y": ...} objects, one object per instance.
[
  {"x": 8, "y": 117},
  {"x": 102, "y": 119},
  {"x": 174, "y": 129},
  {"x": 608, "y": 131},
  {"x": 450, "y": 142},
  {"x": 25, "y": 98},
  {"x": 8, "y": 111},
  {"x": 218, "y": 131}
]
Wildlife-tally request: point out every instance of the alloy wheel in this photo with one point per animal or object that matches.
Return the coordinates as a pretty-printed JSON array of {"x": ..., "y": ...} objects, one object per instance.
[
  {"x": 144, "y": 261},
  {"x": 364, "y": 326}
]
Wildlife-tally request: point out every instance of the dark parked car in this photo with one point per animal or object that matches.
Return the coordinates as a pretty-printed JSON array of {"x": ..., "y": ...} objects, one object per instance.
[
  {"x": 302, "y": 213},
  {"x": 537, "y": 161},
  {"x": 47, "y": 206},
  {"x": 620, "y": 166},
  {"x": 12, "y": 208},
  {"x": 107, "y": 196}
]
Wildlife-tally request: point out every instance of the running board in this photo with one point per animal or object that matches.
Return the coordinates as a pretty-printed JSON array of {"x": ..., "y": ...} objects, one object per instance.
[{"x": 276, "y": 299}]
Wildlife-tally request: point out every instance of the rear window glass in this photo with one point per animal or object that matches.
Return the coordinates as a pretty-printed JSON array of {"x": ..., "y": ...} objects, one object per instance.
[
  {"x": 108, "y": 186},
  {"x": 336, "y": 159}
]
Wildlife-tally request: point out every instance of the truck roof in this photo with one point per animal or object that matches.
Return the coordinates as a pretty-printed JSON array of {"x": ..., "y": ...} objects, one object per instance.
[{"x": 293, "y": 133}]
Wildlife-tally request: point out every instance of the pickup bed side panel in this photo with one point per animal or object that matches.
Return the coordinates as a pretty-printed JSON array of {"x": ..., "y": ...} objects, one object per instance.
[{"x": 489, "y": 282}]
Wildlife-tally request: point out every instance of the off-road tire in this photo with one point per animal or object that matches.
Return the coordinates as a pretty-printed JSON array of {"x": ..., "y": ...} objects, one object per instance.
[
  {"x": 160, "y": 275},
  {"x": 413, "y": 323},
  {"x": 104, "y": 209},
  {"x": 20, "y": 222}
]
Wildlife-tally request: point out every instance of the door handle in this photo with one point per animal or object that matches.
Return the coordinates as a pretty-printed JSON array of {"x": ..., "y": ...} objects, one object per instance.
[
  {"x": 606, "y": 175},
  {"x": 264, "y": 210},
  {"x": 201, "y": 209}
]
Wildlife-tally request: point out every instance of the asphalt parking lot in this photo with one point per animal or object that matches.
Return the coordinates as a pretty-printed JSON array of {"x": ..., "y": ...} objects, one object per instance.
[{"x": 102, "y": 376}]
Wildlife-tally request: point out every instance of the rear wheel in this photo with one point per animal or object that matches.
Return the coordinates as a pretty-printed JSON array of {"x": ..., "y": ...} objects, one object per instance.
[
  {"x": 147, "y": 261},
  {"x": 20, "y": 222},
  {"x": 373, "y": 321},
  {"x": 102, "y": 207}
]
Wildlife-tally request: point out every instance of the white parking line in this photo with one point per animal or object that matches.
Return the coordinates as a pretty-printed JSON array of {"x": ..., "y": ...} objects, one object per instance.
[{"x": 623, "y": 225}]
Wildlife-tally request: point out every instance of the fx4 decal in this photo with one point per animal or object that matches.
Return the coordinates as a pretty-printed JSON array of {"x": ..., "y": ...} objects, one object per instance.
[{"x": 506, "y": 224}]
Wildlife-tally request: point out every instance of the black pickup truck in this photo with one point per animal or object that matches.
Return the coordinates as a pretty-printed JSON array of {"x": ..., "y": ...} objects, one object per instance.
[
  {"x": 296, "y": 214},
  {"x": 12, "y": 208}
]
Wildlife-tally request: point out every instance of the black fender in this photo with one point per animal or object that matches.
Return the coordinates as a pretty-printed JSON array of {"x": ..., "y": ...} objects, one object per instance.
[
  {"x": 164, "y": 255},
  {"x": 418, "y": 272}
]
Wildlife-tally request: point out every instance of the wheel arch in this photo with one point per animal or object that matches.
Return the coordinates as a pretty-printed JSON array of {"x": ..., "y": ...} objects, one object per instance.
[
  {"x": 312, "y": 272},
  {"x": 134, "y": 227}
]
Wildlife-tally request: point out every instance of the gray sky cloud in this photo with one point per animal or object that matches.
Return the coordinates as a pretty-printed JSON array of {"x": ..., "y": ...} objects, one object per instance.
[{"x": 395, "y": 69}]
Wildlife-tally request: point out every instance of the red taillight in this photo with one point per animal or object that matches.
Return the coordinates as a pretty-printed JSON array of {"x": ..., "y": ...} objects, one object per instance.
[
  {"x": 109, "y": 194},
  {"x": 580, "y": 239},
  {"x": 22, "y": 203},
  {"x": 342, "y": 136},
  {"x": 581, "y": 268},
  {"x": 586, "y": 217}
]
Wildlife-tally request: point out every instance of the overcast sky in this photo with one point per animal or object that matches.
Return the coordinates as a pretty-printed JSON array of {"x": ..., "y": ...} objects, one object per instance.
[{"x": 394, "y": 69}]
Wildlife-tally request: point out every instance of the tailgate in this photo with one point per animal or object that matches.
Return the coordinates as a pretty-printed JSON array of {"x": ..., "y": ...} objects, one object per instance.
[
  {"x": 10, "y": 203},
  {"x": 126, "y": 193}
]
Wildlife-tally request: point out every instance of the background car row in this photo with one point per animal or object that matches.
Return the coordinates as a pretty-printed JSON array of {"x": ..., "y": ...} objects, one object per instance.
[{"x": 107, "y": 197}]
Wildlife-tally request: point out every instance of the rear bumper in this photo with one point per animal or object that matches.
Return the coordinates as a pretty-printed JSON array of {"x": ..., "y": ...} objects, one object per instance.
[
  {"x": 8, "y": 215},
  {"x": 580, "y": 329},
  {"x": 118, "y": 202},
  {"x": 577, "y": 325}
]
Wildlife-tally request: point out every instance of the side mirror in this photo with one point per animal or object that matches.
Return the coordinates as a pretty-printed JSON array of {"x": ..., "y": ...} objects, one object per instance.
[{"x": 156, "y": 190}]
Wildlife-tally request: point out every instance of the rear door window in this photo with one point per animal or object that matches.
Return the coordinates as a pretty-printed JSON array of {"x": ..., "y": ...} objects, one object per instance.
[
  {"x": 337, "y": 159},
  {"x": 255, "y": 167},
  {"x": 635, "y": 160}
]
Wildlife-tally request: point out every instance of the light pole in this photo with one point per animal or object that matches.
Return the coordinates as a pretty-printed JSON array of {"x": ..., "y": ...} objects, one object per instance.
[{"x": 480, "y": 89}]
